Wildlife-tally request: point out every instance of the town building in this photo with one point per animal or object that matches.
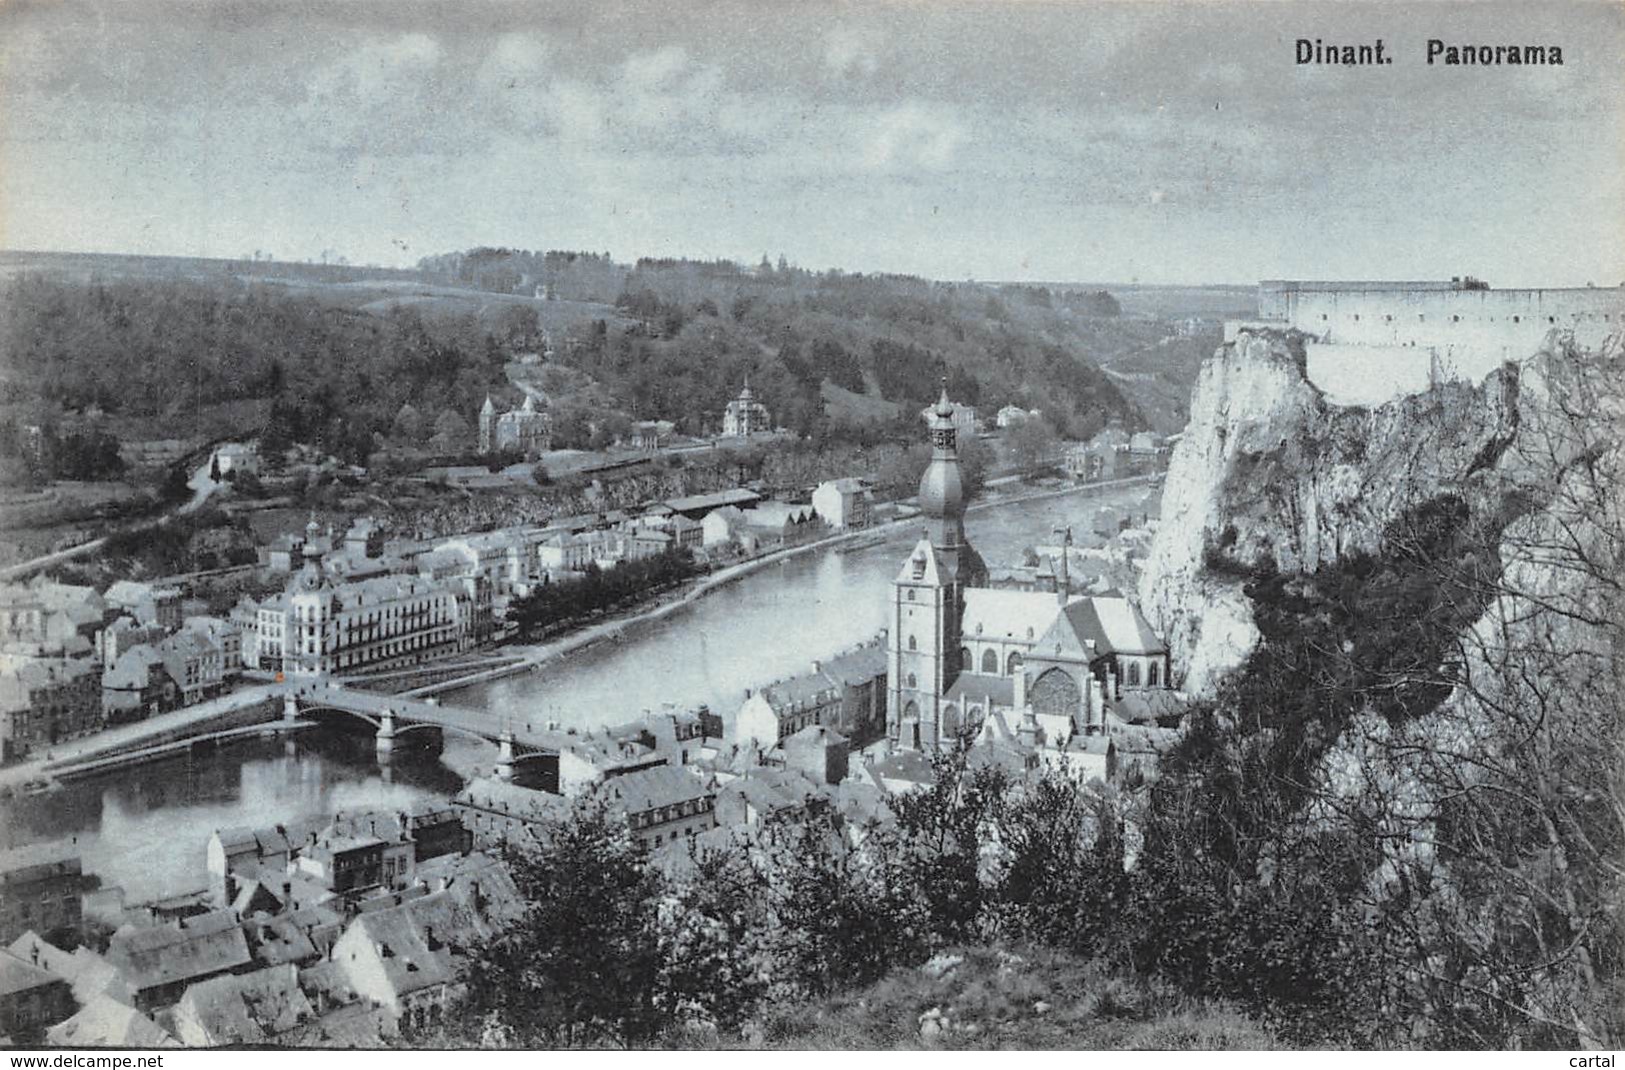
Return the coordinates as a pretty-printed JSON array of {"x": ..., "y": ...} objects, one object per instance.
[
  {"x": 46, "y": 701},
  {"x": 845, "y": 504},
  {"x": 319, "y": 627},
  {"x": 195, "y": 664},
  {"x": 154, "y": 605},
  {"x": 525, "y": 430},
  {"x": 652, "y": 435},
  {"x": 226, "y": 638},
  {"x": 106, "y": 1022},
  {"x": 41, "y": 890},
  {"x": 31, "y": 999},
  {"x": 159, "y": 961},
  {"x": 745, "y": 416},
  {"x": 847, "y": 694},
  {"x": 697, "y": 506},
  {"x": 87, "y": 972},
  {"x": 662, "y": 804},
  {"x": 137, "y": 686}
]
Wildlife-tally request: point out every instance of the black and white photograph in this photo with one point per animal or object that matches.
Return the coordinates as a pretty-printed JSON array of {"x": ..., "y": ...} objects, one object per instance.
[{"x": 727, "y": 525}]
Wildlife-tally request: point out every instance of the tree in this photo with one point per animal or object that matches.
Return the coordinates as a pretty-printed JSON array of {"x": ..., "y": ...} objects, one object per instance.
[
  {"x": 583, "y": 966},
  {"x": 1033, "y": 441}
]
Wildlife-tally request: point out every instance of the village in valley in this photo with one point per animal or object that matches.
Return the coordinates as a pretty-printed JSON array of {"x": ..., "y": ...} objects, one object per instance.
[{"x": 1037, "y": 541}]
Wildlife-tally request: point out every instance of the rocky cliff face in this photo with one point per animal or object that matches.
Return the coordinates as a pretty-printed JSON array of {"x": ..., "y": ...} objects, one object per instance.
[{"x": 1269, "y": 470}]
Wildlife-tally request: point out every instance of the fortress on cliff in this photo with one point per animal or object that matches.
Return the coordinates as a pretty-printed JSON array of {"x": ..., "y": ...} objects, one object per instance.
[{"x": 1372, "y": 341}]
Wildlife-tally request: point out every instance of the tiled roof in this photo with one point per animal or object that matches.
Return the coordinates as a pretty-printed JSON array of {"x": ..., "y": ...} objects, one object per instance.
[
  {"x": 153, "y": 955},
  {"x": 18, "y": 975},
  {"x": 648, "y": 789},
  {"x": 250, "y": 1008},
  {"x": 104, "y": 1022}
]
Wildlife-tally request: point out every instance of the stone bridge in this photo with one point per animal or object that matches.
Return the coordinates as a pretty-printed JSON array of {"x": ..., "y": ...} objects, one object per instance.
[{"x": 394, "y": 716}]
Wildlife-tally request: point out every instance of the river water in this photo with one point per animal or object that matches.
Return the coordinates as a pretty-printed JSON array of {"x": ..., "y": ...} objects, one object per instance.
[{"x": 146, "y": 828}]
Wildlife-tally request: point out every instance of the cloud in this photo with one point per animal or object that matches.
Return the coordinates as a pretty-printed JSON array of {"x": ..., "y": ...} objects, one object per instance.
[
  {"x": 912, "y": 135},
  {"x": 382, "y": 97},
  {"x": 849, "y": 51}
]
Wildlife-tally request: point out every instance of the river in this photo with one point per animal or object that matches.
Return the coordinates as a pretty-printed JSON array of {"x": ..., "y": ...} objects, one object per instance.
[{"x": 146, "y": 828}]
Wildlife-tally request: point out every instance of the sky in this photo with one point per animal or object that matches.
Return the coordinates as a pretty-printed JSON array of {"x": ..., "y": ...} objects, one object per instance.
[{"x": 1004, "y": 139}]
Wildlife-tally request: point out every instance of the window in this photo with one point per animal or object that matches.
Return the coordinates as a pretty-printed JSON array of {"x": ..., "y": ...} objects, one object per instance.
[
  {"x": 1132, "y": 675},
  {"x": 990, "y": 661},
  {"x": 1013, "y": 664},
  {"x": 912, "y": 645},
  {"x": 1153, "y": 675},
  {"x": 913, "y": 681}
]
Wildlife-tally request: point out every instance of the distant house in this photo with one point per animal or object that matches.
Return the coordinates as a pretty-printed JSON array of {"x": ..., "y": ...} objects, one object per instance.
[
  {"x": 1011, "y": 415},
  {"x": 722, "y": 527},
  {"x": 239, "y": 457},
  {"x": 745, "y": 415},
  {"x": 652, "y": 434},
  {"x": 137, "y": 686},
  {"x": 963, "y": 418},
  {"x": 845, "y": 504}
]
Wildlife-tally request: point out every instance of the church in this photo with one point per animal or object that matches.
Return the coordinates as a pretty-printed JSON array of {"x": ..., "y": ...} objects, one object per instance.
[{"x": 1038, "y": 669}]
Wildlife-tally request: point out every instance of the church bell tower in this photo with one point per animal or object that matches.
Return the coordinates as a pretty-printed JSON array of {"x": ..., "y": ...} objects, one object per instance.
[{"x": 928, "y": 598}]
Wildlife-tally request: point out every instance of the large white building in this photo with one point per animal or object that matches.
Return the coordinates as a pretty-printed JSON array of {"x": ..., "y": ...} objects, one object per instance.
[{"x": 319, "y": 627}]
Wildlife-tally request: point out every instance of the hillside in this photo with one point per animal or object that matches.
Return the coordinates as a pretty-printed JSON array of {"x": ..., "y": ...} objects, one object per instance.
[
  {"x": 351, "y": 359},
  {"x": 988, "y": 998},
  {"x": 1407, "y": 620}
]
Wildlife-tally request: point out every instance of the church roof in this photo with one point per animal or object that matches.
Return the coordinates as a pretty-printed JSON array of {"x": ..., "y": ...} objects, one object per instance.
[
  {"x": 1116, "y": 625},
  {"x": 1022, "y": 616},
  {"x": 974, "y": 689},
  {"x": 1072, "y": 636}
]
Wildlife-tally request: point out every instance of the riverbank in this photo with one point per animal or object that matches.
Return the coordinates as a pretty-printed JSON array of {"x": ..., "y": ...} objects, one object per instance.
[{"x": 613, "y": 630}]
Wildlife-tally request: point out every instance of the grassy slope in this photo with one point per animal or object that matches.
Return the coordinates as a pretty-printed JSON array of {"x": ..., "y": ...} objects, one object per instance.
[{"x": 997, "y": 998}]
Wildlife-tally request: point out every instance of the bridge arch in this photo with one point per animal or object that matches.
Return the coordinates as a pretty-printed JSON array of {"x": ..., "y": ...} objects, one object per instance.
[{"x": 326, "y": 708}]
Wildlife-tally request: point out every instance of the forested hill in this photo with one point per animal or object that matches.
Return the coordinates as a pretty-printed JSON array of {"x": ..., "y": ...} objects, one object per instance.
[
  {"x": 701, "y": 326},
  {"x": 334, "y": 363}
]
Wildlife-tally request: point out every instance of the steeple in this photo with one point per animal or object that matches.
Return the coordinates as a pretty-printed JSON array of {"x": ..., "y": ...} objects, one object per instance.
[{"x": 942, "y": 497}]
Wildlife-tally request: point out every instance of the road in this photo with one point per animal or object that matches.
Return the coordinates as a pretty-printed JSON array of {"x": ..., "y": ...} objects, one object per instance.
[{"x": 201, "y": 486}]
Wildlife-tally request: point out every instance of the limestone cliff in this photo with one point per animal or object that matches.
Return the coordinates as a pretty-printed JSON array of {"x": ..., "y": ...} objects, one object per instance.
[{"x": 1270, "y": 470}]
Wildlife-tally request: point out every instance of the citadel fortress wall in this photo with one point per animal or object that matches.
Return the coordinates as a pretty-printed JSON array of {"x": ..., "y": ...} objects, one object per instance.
[{"x": 1378, "y": 340}]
